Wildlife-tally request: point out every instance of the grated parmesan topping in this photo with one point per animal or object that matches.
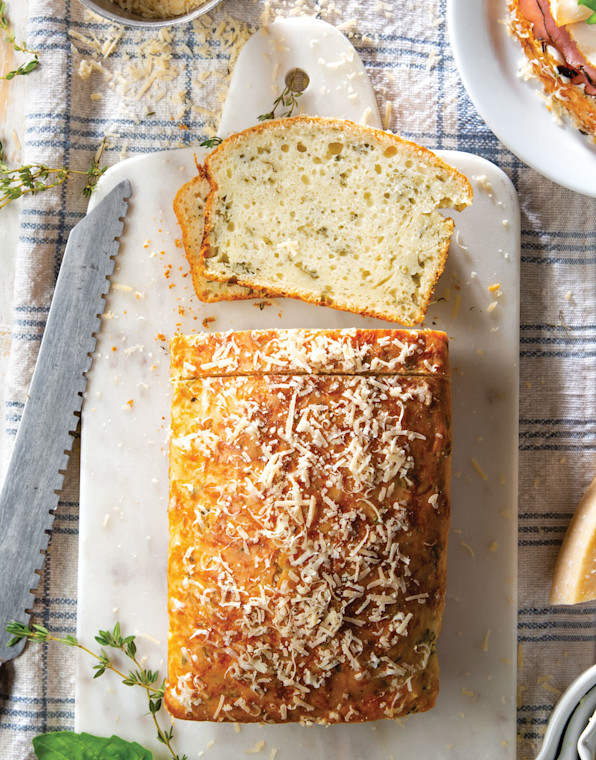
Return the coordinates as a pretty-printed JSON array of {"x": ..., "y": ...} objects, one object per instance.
[
  {"x": 308, "y": 351},
  {"x": 295, "y": 559}
]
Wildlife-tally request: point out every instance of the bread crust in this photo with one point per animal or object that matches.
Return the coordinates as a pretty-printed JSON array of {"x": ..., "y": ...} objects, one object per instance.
[
  {"x": 341, "y": 124},
  {"x": 328, "y": 614},
  {"x": 372, "y": 311},
  {"x": 189, "y": 209},
  {"x": 565, "y": 99},
  {"x": 361, "y": 132},
  {"x": 309, "y": 351}
]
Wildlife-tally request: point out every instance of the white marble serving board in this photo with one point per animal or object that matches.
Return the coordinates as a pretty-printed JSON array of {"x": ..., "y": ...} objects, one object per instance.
[{"x": 124, "y": 467}]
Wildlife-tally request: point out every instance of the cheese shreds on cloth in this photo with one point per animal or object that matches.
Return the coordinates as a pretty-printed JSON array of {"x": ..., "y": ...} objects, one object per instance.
[{"x": 309, "y": 512}]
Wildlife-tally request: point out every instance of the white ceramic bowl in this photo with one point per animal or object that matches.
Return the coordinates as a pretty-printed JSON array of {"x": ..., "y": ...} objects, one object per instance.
[
  {"x": 564, "y": 709},
  {"x": 115, "y": 13}
]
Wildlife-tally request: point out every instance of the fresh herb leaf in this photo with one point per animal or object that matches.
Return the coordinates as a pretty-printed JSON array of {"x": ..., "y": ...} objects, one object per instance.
[
  {"x": 287, "y": 99},
  {"x": 591, "y": 4},
  {"x": 35, "y": 178},
  {"x": 64, "y": 745},
  {"x": 94, "y": 172},
  {"x": 138, "y": 676},
  {"x": 210, "y": 142},
  {"x": 21, "y": 631},
  {"x": 24, "y": 68}
]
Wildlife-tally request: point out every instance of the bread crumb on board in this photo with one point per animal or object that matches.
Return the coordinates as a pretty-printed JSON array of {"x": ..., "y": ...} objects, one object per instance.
[{"x": 484, "y": 183}]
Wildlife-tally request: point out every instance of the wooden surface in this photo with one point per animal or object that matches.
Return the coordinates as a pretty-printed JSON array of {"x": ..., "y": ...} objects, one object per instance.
[{"x": 12, "y": 135}]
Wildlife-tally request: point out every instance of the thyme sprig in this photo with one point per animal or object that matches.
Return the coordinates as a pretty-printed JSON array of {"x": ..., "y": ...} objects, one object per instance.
[
  {"x": 149, "y": 680},
  {"x": 288, "y": 98},
  {"x": 24, "y": 68},
  {"x": 210, "y": 142},
  {"x": 36, "y": 178}
]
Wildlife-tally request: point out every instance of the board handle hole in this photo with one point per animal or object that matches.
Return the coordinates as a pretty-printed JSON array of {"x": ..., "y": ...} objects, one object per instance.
[{"x": 297, "y": 80}]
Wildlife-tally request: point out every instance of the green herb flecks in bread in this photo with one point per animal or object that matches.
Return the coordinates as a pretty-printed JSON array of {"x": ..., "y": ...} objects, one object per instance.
[{"x": 332, "y": 213}]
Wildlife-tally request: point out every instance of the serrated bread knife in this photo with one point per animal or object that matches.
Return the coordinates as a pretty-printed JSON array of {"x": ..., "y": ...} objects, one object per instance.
[{"x": 44, "y": 440}]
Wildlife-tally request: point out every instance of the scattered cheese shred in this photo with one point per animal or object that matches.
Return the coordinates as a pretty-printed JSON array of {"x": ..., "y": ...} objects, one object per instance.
[
  {"x": 342, "y": 563},
  {"x": 485, "y": 642},
  {"x": 544, "y": 681},
  {"x": 365, "y": 116},
  {"x": 257, "y": 748},
  {"x": 478, "y": 468},
  {"x": 219, "y": 706},
  {"x": 467, "y": 547},
  {"x": 148, "y": 69},
  {"x": 387, "y": 114}
]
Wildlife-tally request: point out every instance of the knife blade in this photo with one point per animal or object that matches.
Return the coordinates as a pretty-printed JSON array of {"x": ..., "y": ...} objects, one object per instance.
[{"x": 44, "y": 440}]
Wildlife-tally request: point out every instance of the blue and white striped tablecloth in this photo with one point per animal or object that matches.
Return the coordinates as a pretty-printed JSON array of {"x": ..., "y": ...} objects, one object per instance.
[{"x": 407, "y": 55}]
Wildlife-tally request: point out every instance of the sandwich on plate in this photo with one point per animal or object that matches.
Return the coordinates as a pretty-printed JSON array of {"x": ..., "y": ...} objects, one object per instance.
[{"x": 559, "y": 40}]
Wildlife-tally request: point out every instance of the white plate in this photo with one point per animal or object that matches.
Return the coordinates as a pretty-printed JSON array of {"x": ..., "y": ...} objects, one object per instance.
[
  {"x": 488, "y": 60},
  {"x": 124, "y": 467}
]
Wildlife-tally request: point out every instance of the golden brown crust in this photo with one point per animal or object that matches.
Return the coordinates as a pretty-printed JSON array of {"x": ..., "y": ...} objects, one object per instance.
[
  {"x": 361, "y": 132},
  {"x": 189, "y": 209},
  {"x": 375, "y": 313},
  {"x": 304, "y": 351},
  {"x": 346, "y": 126},
  {"x": 308, "y": 535},
  {"x": 565, "y": 98}
]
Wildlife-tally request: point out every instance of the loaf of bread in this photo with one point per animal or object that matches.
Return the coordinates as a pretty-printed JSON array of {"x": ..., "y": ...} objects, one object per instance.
[
  {"x": 189, "y": 205},
  {"x": 333, "y": 213},
  {"x": 309, "y": 511},
  {"x": 560, "y": 55}
]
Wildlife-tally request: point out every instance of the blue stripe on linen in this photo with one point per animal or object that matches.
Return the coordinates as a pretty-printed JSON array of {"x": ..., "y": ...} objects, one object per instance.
[{"x": 557, "y": 338}]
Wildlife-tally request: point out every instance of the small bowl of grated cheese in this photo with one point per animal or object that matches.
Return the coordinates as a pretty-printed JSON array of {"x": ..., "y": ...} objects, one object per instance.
[{"x": 151, "y": 13}]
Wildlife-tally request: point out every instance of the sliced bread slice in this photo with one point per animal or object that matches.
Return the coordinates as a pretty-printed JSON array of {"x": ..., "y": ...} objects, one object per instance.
[
  {"x": 189, "y": 205},
  {"x": 333, "y": 213}
]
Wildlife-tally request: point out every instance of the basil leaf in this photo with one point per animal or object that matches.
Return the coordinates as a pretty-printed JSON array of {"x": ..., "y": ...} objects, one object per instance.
[
  {"x": 591, "y": 4},
  {"x": 65, "y": 745}
]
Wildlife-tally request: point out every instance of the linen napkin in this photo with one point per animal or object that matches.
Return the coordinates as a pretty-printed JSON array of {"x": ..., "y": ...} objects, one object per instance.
[{"x": 146, "y": 91}]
